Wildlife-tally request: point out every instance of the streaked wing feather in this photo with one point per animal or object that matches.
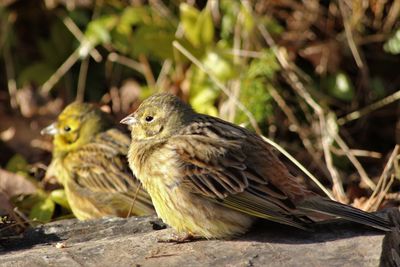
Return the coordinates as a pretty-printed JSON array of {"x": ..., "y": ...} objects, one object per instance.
[
  {"x": 240, "y": 171},
  {"x": 216, "y": 168},
  {"x": 102, "y": 167}
]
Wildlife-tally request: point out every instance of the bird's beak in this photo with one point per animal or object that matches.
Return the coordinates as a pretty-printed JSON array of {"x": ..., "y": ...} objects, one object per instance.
[
  {"x": 50, "y": 130},
  {"x": 129, "y": 120}
]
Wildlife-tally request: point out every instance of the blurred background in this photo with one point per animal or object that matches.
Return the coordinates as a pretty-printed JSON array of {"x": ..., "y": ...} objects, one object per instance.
[{"x": 321, "y": 78}]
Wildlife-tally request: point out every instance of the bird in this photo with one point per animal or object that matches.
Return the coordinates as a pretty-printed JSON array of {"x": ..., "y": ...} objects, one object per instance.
[
  {"x": 89, "y": 160},
  {"x": 212, "y": 179}
]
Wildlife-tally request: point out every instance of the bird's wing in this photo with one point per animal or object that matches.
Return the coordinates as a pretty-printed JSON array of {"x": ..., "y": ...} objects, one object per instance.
[
  {"x": 101, "y": 167},
  {"x": 239, "y": 170},
  {"x": 215, "y": 164}
]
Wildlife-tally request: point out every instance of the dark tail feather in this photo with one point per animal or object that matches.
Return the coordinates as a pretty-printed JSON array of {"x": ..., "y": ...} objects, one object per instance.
[{"x": 333, "y": 208}]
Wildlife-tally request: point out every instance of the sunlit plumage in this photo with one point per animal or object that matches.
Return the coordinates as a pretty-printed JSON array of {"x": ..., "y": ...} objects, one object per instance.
[
  {"x": 212, "y": 179},
  {"x": 89, "y": 160}
]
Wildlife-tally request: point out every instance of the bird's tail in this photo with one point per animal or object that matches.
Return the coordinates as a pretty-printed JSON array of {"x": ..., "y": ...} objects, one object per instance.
[{"x": 326, "y": 206}]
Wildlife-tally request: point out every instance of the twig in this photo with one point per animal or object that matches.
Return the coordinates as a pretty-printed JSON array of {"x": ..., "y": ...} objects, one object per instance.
[
  {"x": 293, "y": 120},
  {"x": 166, "y": 67},
  {"x": 244, "y": 53},
  {"x": 374, "y": 106},
  {"x": 383, "y": 193},
  {"x": 382, "y": 180},
  {"x": 71, "y": 26},
  {"x": 363, "y": 174},
  {"x": 159, "y": 7},
  {"x": 358, "y": 153},
  {"x": 60, "y": 72},
  {"x": 80, "y": 93},
  {"x": 393, "y": 196},
  {"x": 11, "y": 82},
  {"x": 139, "y": 184},
  {"x": 293, "y": 80},
  {"x": 299, "y": 165},
  {"x": 392, "y": 17},
  {"x": 337, "y": 181},
  {"x": 349, "y": 36},
  {"x": 230, "y": 107},
  {"x": 128, "y": 62},
  {"x": 148, "y": 74},
  {"x": 9, "y": 64}
]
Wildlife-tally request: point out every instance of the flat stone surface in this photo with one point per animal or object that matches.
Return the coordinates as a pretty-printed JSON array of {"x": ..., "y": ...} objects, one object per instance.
[{"x": 134, "y": 242}]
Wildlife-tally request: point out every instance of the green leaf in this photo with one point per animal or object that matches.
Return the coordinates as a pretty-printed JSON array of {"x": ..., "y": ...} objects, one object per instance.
[
  {"x": 132, "y": 16},
  {"x": 222, "y": 67},
  {"x": 203, "y": 92},
  {"x": 272, "y": 25},
  {"x": 98, "y": 30},
  {"x": 43, "y": 211},
  {"x": 331, "y": 124},
  {"x": 17, "y": 164},
  {"x": 153, "y": 41},
  {"x": 265, "y": 67},
  {"x": 392, "y": 45},
  {"x": 339, "y": 86},
  {"x": 59, "y": 197},
  {"x": 248, "y": 19},
  {"x": 254, "y": 95},
  {"x": 229, "y": 12},
  {"x": 198, "y": 26},
  {"x": 205, "y": 27},
  {"x": 189, "y": 17},
  {"x": 203, "y": 102}
]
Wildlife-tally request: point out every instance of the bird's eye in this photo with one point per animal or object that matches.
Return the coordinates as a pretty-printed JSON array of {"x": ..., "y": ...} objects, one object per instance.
[
  {"x": 149, "y": 118},
  {"x": 67, "y": 128}
]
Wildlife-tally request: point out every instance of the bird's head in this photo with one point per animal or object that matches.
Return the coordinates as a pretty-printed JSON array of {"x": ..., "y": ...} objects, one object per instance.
[
  {"x": 76, "y": 125},
  {"x": 159, "y": 116}
]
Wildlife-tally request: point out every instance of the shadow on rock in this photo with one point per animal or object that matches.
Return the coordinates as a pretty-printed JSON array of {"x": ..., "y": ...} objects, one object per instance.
[
  {"x": 270, "y": 232},
  {"x": 30, "y": 238}
]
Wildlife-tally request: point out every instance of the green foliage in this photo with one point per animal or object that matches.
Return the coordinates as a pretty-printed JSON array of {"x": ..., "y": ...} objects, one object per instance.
[
  {"x": 339, "y": 85},
  {"x": 254, "y": 87},
  {"x": 203, "y": 93},
  {"x": 392, "y": 45},
  {"x": 40, "y": 205},
  {"x": 43, "y": 210},
  {"x": 59, "y": 197},
  {"x": 264, "y": 67},
  {"x": 198, "y": 25},
  {"x": 98, "y": 30},
  {"x": 153, "y": 41},
  {"x": 133, "y": 31},
  {"x": 17, "y": 163},
  {"x": 233, "y": 13},
  {"x": 220, "y": 66}
]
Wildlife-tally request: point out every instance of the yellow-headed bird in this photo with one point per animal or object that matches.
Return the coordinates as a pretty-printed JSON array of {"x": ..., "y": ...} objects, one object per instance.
[
  {"x": 89, "y": 160},
  {"x": 210, "y": 178}
]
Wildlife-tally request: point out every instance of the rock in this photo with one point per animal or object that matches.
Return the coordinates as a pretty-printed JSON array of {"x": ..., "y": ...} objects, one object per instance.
[{"x": 134, "y": 242}]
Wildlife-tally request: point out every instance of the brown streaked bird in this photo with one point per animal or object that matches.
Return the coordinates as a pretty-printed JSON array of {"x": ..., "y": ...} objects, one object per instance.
[
  {"x": 210, "y": 178},
  {"x": 89, "y": 160}
]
